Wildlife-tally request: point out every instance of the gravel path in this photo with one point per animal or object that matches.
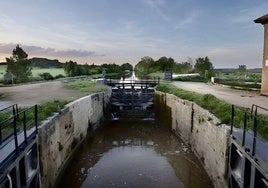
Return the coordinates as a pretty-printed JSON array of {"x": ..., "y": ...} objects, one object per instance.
[
  {"x": 237, "y": 97},
  {"x": 31, "y": 94}
]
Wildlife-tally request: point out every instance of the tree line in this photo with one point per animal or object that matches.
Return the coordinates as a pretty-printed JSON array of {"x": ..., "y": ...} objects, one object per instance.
[
  {"x": 148, "y": 65},
  {"x": 19, "y": 67}
]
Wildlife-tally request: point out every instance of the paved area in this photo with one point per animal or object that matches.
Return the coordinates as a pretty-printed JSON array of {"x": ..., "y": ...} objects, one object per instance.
[
  {"x": 31, "y": 94},
  {"x": 237, "y": 97}
]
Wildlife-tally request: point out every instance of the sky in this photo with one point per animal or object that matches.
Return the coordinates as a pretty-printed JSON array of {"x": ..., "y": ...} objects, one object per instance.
[{"x": 124, "y": 31}]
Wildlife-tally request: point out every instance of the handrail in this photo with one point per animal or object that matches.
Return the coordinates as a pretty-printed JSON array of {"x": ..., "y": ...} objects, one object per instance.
[
  {"x": 254, "y": 115},
  {"x": 27, "y": 133}
]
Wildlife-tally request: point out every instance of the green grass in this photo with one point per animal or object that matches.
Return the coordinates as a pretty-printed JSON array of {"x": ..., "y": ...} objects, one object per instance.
[
  {"x": 36, "y": 71},
  {"x": 53, "y": 71},
  {"x": 44, "y": 111},
  {"x": 219, "y": 108},
  {"x": 86, "y": 85}
]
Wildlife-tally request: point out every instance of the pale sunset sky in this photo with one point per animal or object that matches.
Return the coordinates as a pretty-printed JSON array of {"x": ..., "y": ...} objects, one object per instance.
[{"x": 124, "y": 31}]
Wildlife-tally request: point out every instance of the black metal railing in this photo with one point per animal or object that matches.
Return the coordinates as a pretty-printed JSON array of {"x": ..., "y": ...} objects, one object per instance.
[
  {"x": 18, "y": 129},
  {"x": 255, "y": 119},
  {"x": 149, "y": 83},
  {"x": 5, "y": 114}
]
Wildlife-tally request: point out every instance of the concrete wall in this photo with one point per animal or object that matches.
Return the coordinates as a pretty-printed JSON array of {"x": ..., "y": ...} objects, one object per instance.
[
  {"x": 208, "y": 138},
  {"x": 61, "y": 134}
]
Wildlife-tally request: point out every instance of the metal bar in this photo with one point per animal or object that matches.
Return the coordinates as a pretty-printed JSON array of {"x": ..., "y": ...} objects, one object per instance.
[
  {"x": 24, "y": 127},
  {"x": 244, "y": 129},
  {"x": 232, "y": 119},
  {"x": 254, "y": 132},
  {"x": 15, "y": 131},
  {"x": 36, "y": 118}
]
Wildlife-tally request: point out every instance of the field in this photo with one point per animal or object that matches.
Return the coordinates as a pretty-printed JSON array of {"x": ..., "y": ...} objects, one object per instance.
[
  {"x": 53, "y": 71},
  {"x": 36, "y": 71}
]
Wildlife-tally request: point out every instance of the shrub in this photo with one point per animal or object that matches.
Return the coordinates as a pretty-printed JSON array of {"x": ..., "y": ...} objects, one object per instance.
[{"x": 46, "y": 76}]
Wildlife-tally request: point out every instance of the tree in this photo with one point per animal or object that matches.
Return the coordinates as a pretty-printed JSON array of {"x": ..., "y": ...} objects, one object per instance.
[
  {"x": 70, "y": 68},
  {"x": 204, "y": 67},
  {"x": 144, "y": 66},
  {"x": 19, "y": 66},
  {"x": 165, "y": 63}
]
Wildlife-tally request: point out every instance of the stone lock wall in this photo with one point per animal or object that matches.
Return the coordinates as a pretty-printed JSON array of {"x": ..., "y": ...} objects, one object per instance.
[
  {"x": 208, "y": 138},
  {"x": 61, "y": 134}
]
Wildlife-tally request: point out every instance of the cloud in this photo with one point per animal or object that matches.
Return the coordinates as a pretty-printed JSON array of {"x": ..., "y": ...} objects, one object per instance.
[
  {"x": 191, "y": 18},
  {"x": 40, "y": 51},
  {"x": 156, "y": 6}
]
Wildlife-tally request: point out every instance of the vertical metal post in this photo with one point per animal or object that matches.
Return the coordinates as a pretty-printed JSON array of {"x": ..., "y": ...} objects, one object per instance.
[
  {"x": 232, "y": 119},
  {"x": 254, "y": 131},
  {"x": 15, "y": 130},
  {"x": 36, "y": 118},
  {"x": 244, "y": 129},
  {"x": 24, "y": 127}
]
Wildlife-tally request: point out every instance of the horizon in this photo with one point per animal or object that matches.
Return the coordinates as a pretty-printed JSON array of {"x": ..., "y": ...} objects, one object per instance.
[{"x": 125, "y": 31}]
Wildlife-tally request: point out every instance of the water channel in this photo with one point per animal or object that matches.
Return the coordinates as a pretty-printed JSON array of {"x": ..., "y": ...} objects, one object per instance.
[{"x": 134, "y": 153}]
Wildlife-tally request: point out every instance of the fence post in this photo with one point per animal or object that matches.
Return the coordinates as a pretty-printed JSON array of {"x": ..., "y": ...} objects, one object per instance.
[
  {"x": 232, "y": 118},
  {"x": 24, "y": 127},
  {"x": 36, "y": 118},
  {"x": 254, "y": 131},
  {"x": 15, "y": 130},
  {"x": 244, "y": 129}
]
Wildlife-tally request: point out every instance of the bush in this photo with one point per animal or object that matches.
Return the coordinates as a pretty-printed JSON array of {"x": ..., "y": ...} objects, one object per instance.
[
  {"x": 191, "y": 79},
  {"x": 46, "y": 76}
]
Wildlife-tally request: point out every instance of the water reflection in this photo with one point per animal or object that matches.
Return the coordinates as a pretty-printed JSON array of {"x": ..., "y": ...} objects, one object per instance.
[{"x": 134, "y": 154}]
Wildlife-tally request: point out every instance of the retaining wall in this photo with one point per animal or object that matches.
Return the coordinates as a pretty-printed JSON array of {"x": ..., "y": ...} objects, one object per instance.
[
  {"x": 61, "y": 134},
  {"x": 208, "y": 138}
]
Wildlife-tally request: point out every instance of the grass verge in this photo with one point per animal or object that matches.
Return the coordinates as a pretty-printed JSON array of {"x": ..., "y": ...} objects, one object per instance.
[{"x": 86, "y": 85}]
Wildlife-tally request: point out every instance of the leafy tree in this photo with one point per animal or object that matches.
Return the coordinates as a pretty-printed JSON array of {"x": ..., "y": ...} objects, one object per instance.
[
  {"x": 165, "y": 63},
  {"x": 204, "y": 67},
  {"x": 70, "y": 68},
  {"x": 144, "y": 66},
  {"x": 184, "y": 67},
  {"x": 19, "y": 66}
]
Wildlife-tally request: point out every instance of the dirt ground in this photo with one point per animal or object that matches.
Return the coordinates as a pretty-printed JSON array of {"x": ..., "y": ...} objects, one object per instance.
[{"x": 31, "y": 94}]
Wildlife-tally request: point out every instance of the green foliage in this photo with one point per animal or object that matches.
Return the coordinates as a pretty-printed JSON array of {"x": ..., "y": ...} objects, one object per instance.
[
  {"x": 219, "y": 108},
  {"x": 204, "y": 67},
  {"x": 191, "y": 79},
  {"x": 147, "y": 65},
  {"x": 47, "y": 109},
  {"x": 73, "y": 69},
  {"x": 46, "y": 76},
  {"x": 19, "y": 66}
]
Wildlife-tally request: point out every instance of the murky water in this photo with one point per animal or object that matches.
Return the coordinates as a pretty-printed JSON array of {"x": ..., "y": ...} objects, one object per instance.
[{"x": 135, "y": 154}]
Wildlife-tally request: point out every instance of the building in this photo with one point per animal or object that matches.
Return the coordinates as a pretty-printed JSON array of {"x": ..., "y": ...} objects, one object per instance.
[{"x": 264, "y": 85}]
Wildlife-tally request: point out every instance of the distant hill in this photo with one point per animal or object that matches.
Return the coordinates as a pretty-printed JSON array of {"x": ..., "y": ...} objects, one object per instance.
[{"x": 46, "y": 63}]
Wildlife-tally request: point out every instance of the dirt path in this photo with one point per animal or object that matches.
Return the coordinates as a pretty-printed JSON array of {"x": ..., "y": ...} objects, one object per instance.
[
  {"x": 233, "y": 96},
  {"x": 31, "y": 94}
]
